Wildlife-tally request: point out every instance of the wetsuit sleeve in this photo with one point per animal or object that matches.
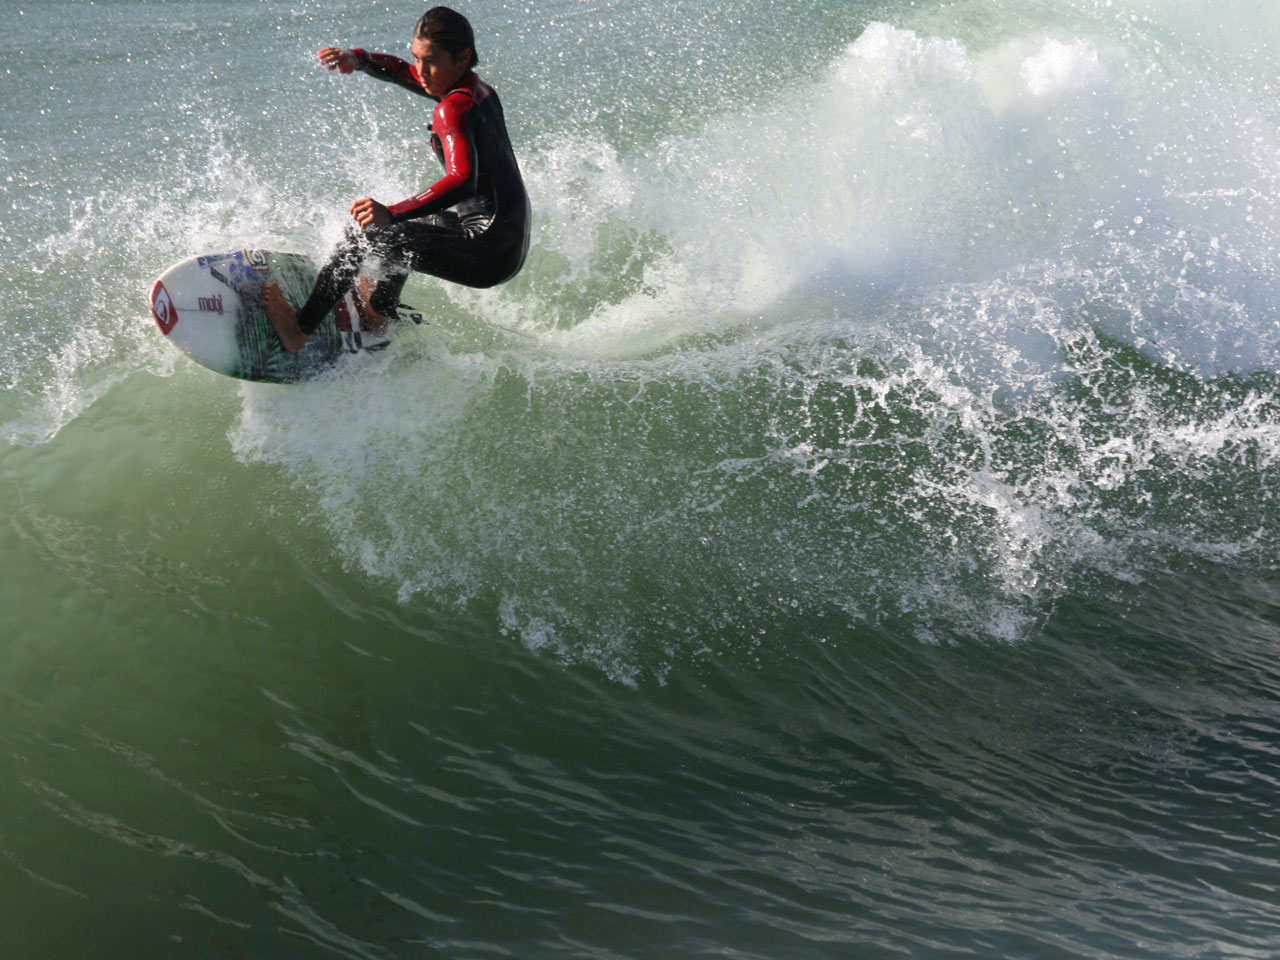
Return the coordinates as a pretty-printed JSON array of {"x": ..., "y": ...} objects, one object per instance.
[
  {"x": 461, "y": 170},
  {"x": 383, "y": 66}
]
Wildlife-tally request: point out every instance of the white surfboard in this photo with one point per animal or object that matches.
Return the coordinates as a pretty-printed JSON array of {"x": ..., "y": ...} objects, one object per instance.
[{"x": 210, "y": 307}]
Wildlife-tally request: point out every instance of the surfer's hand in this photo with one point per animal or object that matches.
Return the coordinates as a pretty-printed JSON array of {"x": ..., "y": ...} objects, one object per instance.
[
  {"x": 335, "y": 58},
  {"x": 369, "y": 211}
]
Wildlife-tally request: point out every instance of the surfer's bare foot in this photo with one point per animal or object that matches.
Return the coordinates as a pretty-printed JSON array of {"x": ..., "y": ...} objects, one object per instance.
[
  {"x": 370, "y": 319},
  {"x": 283, "y": 317}
]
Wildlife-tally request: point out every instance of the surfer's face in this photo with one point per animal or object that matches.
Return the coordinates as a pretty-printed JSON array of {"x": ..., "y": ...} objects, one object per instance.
[{"x": 439, "y": 71}]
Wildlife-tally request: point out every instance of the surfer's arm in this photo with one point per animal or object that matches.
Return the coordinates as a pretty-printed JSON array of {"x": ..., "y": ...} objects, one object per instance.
[
  {"x": 461, "y": 169},
  {"x": 383, "y": 66}
]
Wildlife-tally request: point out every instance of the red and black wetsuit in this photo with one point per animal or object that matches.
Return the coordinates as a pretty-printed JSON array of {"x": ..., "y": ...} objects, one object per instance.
[{"x": 470, "y": 227}]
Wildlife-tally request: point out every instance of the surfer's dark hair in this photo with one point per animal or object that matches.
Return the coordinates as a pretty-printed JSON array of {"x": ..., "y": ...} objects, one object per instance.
[{"x": 449, "y": 30}]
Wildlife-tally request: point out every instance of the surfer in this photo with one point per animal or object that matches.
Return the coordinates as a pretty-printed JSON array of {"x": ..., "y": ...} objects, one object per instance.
[{"x": 470, "y": 227}]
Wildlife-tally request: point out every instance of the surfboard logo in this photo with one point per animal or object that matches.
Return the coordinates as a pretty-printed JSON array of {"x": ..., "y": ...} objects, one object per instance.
[
  {"x": 162, "y": 308},
  {"x": 210, "y": 304}
]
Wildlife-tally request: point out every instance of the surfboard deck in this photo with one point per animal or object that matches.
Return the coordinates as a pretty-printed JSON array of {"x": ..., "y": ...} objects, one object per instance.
[{"x": 210, "y": 307}]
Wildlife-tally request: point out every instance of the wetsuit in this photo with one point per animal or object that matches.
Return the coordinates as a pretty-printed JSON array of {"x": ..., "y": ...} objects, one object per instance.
[{"x": 471, "y": 227}]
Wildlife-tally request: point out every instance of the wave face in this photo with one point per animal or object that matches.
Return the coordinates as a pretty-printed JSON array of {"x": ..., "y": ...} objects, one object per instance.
[
  {"x": 937, "y": 333},
  {"x": 853, "y": 531}
]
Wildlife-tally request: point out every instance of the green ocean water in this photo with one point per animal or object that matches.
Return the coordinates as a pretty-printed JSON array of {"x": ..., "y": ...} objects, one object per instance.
[{"x": 854, "y": 533}]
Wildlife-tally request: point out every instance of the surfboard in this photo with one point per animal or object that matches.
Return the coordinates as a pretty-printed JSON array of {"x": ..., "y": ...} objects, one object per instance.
[{"x": 210, "y": 307}]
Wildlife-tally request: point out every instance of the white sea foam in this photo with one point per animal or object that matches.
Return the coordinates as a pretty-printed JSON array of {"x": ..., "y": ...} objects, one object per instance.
[
  {"x": 908, "y": 261},
  {"x": 881, "y": 305}
]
